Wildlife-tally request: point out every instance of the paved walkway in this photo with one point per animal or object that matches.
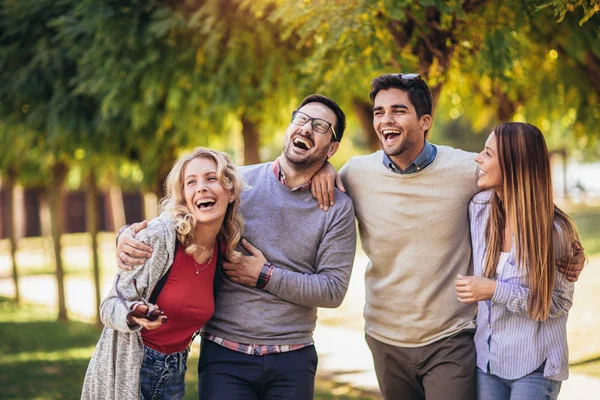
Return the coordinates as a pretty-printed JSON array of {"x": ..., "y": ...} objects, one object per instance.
[{"x": 343, "y": 353}]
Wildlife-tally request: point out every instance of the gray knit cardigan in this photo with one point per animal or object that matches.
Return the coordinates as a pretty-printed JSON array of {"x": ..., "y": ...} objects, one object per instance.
[{"x": 114, "y": 370}]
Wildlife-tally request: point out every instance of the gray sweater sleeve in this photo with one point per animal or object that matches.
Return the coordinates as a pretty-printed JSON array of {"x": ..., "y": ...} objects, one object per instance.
[
  {"x": 112, "y": 311},
  {"x": 328, "y": 285}
]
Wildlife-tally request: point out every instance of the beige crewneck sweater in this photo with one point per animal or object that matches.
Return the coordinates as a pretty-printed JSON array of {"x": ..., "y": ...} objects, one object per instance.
[{"x": 415, "y": 230}]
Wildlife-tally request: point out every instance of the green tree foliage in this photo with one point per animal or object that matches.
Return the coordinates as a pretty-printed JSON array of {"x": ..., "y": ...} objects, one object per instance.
[
  {"x": 38, "y": 96},
  {"x": 529, "y": 68},
  {"x": 136, "y": 58},
  {"x": 486, "y": 54},
  {"x": 563, "y": 7},
  {"x": 246, "y": 68},
  {"x": 354, "y": 42}
]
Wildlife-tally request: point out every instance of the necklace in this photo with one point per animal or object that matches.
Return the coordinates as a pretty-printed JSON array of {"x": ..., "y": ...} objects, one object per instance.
[{"x": 206, "y": 264}]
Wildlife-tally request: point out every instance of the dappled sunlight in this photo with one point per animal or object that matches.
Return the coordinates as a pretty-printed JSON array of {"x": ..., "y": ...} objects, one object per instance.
[{"x": 69, "y": 354}]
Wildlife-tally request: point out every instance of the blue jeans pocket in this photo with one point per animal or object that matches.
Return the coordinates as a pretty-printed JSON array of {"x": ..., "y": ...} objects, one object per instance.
[{"x": 162, "y": 376}]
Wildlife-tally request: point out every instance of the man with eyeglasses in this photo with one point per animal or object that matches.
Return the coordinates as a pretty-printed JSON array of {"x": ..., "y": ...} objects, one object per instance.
[{"x": 259, "y": 344}]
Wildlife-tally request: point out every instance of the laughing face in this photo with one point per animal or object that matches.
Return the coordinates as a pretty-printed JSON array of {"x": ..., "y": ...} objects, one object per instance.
[
  {"x": 400, "y": 131},
  {"x": 304, "y": 148},
  {"x": 206, "y": 199},
  {"x": 489, "y": 172}
]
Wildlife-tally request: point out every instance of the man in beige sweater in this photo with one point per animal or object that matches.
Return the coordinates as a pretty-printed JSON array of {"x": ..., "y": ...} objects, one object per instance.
[{"x": 411, "y": 202}]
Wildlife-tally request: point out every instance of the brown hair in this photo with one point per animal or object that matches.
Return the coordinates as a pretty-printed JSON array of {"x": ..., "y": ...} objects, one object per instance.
[
  {"x": 541, "y": 230},
  {"x": 174, "y": 202}
]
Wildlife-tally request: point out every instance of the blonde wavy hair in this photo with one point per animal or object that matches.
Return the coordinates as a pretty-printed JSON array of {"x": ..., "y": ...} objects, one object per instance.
[
  {"x": 175, "y": 205},
  {"x": 541, "y": 230}
]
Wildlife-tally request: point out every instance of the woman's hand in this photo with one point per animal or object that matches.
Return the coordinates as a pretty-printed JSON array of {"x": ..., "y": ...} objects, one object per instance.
[
  {"x": 137, "y": 317},
  {"x": 474, "y": 288},
  {"x": 323, "y": 184},
  {"x": 572, "y": 266}
]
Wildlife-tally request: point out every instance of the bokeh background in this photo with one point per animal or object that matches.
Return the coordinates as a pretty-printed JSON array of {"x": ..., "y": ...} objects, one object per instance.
[{"x": 99, "y": 97}]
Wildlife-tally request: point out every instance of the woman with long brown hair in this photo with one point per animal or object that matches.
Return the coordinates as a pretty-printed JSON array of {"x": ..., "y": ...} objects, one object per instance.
[
  {"x": 517, "y": 235},
  {"x": 200, "y": 225}
]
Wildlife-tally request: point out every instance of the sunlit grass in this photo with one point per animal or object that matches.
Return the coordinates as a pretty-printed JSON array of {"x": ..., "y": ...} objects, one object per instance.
[
  {"x": 68, "y": 354},
  {"x": 588, "y": 224},
  {"x": 39, "y": 357}
]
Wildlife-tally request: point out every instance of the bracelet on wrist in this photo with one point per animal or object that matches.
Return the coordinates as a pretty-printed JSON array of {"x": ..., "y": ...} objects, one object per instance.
[{"x": 264, "y": 276}]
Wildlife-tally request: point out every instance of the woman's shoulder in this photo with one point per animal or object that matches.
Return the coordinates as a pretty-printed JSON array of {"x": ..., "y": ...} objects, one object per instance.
[
  {"x": 481, "y": 200},
  {"x": 158, "y": 229},
  {"x": 479, "y": 209}
]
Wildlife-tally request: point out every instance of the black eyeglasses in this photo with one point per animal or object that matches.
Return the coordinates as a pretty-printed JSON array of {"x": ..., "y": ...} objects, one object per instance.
[
  {"x": 150, "y": 315},
  {"x": 319, "y": 125}
]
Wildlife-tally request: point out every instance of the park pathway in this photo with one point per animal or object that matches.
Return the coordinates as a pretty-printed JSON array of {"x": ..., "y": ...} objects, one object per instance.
[{"x": 343, "y": 354}]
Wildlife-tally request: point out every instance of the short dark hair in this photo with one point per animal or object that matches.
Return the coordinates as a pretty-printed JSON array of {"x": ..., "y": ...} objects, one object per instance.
[
  {"x": 340, "y": 126},
  {"x": 419, "y": 93}
]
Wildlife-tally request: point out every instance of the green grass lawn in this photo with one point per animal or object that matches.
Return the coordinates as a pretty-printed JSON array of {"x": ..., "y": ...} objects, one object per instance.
[
  {"x": 588, "y": 223},
  {"x": 43, "y": 359}
]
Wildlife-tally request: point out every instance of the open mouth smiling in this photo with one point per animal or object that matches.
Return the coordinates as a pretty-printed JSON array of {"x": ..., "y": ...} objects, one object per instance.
[
  {"x": 389, "y": 134},
  {"x": 205, "y": 203},
  {"x": 302, "y": 143}
]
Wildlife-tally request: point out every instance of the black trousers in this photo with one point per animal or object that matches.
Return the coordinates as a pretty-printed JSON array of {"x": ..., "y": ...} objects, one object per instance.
[{"x": 225, "y": 374}]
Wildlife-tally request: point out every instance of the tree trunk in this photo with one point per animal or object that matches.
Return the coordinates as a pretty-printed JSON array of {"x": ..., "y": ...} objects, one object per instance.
[
  {"x": 45, "y": 216},
  {"x": 506, "y": 107},
  {"x": 117, "y": 208},
  {"x": 436, "y": 91},
  {"x": 251, "y": 141},
  {"x": 12, "y": 237},
  {"x": 55, "y": 190},
  {"x": 150, "y": 203},
  {"x": 91, "y": 217},
  {"x": 364, "y": 112},
  {"x": 168, "y": 159}
]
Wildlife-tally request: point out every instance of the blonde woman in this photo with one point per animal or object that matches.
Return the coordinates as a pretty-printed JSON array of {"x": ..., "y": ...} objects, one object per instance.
[
  {"x": 143, "y": 348},
  {"x": 517, "y": 234}
]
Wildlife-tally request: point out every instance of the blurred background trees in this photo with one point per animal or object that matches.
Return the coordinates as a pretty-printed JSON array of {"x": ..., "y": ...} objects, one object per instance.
[{"x": 101, "y": 96}]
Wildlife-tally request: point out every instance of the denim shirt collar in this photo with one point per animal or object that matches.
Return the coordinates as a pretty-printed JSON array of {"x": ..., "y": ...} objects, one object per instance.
[{"x": 423, "y": 160}]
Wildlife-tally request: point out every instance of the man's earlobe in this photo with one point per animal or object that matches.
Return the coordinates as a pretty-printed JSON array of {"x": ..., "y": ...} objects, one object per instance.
[
  {"x": 425, "y": 122},
  {"x": 332, "y": 149}
]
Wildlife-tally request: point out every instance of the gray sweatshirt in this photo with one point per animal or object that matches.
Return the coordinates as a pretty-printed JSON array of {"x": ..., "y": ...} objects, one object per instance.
[{"x": 312, "y": 251}]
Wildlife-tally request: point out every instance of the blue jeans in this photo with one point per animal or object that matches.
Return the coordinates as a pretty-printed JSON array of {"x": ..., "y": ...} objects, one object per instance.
[
  {"x": 162, "y": 376},
  {"x": 530, "y": 387},
  {"x": 225, "y": 374}
]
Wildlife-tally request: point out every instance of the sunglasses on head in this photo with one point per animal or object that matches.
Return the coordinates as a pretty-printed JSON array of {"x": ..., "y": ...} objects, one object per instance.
[{"x": 409, "y": 76}]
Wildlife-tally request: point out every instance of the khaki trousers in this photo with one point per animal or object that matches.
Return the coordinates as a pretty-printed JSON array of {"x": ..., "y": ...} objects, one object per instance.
[{"x": 444, "y": 370}]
